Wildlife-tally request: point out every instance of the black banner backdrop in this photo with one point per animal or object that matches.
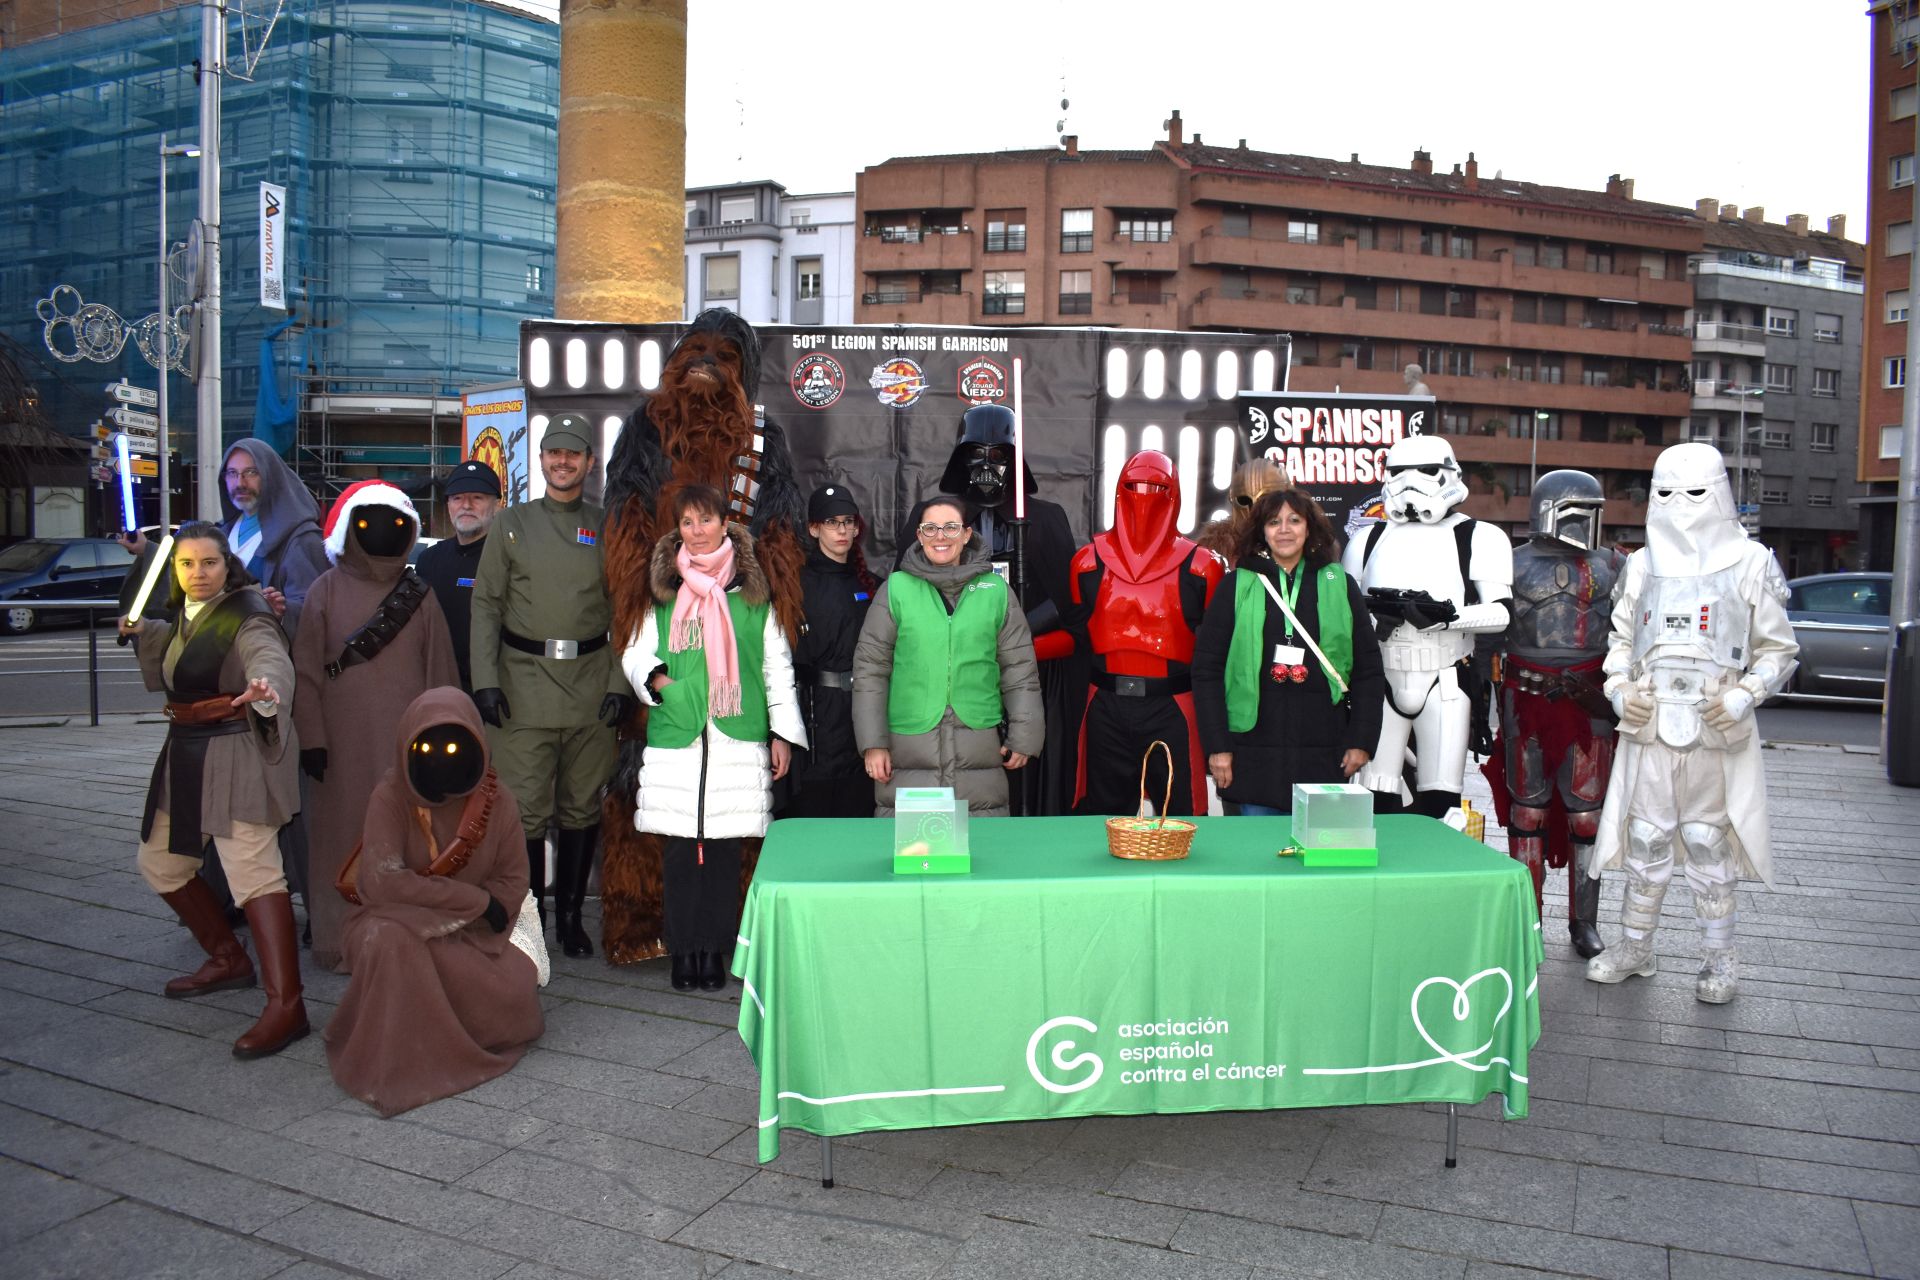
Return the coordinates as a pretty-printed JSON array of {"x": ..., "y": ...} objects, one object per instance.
[
  {"x": 877, "y": 407},
  {"x": 1334, "y": 444}
]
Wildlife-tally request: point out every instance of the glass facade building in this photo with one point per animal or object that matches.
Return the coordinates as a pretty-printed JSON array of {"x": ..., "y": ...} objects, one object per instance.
[{"x": 417, "y": 143}]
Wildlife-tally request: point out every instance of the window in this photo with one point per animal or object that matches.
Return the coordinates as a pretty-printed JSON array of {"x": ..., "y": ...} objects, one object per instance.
[
  {"x": 1782, "y": 323},
  {"x": 1600, "y": 259},
  {"x": 1076, "y": 231},
  {"x": 807, "y": 276},
  {"x": 1553, "y": 253},
  {"x": 720, "y": 276},
  {"x": 1459, "y": 362},
  {"x": 1890, "y": 441},
  {"x": 1302, "y": 231},
  {"x": 1900, "y": 104},
  {"x": 1819, "y": 493},
  {"x": 1899, "y": 238},
  {"x": 1006, "y": 231},
  {"x": 1455, "y": 422},
  {"x": 736, "y": 209},
  {"x": 1594, "y": 378},
  {"x": 1896, "y": 306},
  {"x": 1236, "y": 222},
  {"x": 1303, "y": 292},
  {"x": 1779, "y": 377},
  {"x": 1702, "y": 431},
  {"x": 1459, "y": 244},
  {"x": 536, "y": 276},
  {"x": 1900, "y": 172},
  {"x": 1076, "y": 293},
  {"x": 1006, "y": 293},
  {"x": 1825, "y": 438},
  {"x": 1774, "y": 491},
  {"x": 1826, "y": 327},
  {"x": 799, "y": 217},
  {"x": 1776, "y": 435},
  {"x": 1866, "y": 596},
  {"x": 1144, "y": 230},
  {"x": 1826, "y": 382},
  {"x": 1525, "y": 252},
  {"x": 1526, "y": 309},
  {"x": 1896, "y": 372}
]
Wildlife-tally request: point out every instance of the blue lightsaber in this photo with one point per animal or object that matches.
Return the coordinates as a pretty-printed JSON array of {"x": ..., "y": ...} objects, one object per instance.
[{"x": 131, "y": 523}]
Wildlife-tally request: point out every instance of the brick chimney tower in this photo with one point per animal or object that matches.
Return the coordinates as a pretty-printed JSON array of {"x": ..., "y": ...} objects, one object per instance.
[
  {"x": 1837, "y": 225},
  {"x": 1757, "y": 213},
  {"x": 1797, "y": 223},
  {"x": 1423, "y": 162},
  {"x": 1707, "y": 210},
  {"x": 1473, "y": 172},
  {"x": 1175, "y": 130}
]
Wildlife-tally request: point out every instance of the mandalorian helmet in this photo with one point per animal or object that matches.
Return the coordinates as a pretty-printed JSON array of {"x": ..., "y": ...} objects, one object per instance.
[
  {"x": 1423, "y": 480},
  {"x": 1566, "y": 507},
  {"x": 1252, "y": 479},
  {"x": 982, "y": 462}
]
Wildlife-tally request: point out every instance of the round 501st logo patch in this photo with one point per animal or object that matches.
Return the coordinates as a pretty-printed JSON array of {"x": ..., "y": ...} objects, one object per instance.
[
  {"x": 817, "y": 380},
  {"x": 899, "y": 382},
  {"x": 983, "y": 382}
]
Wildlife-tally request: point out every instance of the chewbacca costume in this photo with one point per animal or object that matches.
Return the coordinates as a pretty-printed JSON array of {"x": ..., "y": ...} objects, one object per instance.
[{"x": 698, "y": 427}]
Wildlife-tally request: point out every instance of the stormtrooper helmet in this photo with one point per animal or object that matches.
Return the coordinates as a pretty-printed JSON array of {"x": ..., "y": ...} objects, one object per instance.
[
  {"x": 1566, "y": 507},
  {"x": 1423, "y": 480},
  {"x": 1692, "y": 523}
]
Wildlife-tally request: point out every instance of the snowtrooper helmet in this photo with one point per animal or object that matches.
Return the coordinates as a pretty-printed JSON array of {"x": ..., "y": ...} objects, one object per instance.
[
  {"x": 1566, "y": 507},
  {"x": 1423, "y": 480},
  {"x": 1692, "y": 523}
]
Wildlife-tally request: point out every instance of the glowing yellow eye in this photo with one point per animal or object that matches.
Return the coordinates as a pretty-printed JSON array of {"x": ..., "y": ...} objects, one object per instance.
[
  {"x": 452, "y": 747},
  {"x": 361, "y": 524}
]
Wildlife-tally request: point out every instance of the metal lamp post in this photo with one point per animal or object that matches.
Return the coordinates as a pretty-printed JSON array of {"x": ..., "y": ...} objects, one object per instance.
[
  {"x": 1743, "y": 394},
  {"x": 1533, "y": 460},
  {"x": 162, "y": 356}
]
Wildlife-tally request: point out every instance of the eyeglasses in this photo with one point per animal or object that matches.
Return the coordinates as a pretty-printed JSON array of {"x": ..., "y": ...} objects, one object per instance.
[
  {"x": 249, "y": 474},
  {"x": 952, "y": 529},
  {"x": 845, "y": 523}
]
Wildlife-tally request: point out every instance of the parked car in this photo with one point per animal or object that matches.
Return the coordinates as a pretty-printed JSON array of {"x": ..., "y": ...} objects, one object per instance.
[
  {"x": 1841, "y": 622},
  {"x": 58, "y": 569}
]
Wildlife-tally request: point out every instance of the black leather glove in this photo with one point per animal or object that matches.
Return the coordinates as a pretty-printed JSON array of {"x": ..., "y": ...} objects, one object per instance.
[
  {"x": 492, "y": 705},
  {"x": 1425, "y": 611},
  {"x": 313, "y": 763},
  {"x": 495, "y": 915},
  {"x": 616, "y": 707}
]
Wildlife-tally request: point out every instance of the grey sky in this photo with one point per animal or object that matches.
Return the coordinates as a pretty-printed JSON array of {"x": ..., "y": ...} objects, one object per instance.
[{"x": 1749, "y": 101}]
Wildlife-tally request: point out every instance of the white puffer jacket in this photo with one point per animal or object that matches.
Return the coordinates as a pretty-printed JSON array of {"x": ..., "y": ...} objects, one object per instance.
[{"x": 716, "y": 787}]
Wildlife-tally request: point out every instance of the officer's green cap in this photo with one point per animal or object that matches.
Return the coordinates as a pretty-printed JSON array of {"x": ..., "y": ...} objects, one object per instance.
[{"x": 569, "y": 431}]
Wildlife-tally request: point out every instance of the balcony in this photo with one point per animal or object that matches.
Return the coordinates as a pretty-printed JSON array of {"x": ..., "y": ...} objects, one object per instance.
[
  {"x": 915, "y": 249},
  {"x": 1489, "y": 390},
  {"x": 1727, "y": 396},
  {"x": 1713, "y": 337},
  {"x": 733, "y": 231},
  {"x": 1158, "y": 257},
  {"x": 911, "y": 306}
]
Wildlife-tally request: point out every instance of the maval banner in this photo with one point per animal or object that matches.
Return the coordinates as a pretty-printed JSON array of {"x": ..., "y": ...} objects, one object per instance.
[
  {"x": 273, "y": 246},
  {"x": 1334, "y": 444}
]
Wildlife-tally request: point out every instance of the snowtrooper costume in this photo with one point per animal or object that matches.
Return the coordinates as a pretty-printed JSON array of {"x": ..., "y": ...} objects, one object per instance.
[
  {"x": 1700, "y": 638},
  {"x": 1464, "y": 567}
]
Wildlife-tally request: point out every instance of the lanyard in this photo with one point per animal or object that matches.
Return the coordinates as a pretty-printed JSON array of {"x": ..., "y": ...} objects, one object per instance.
[{"x": 1290, "y": 592}]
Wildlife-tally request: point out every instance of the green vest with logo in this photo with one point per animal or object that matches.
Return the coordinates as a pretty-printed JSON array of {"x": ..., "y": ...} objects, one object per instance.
[
  {"x": 943, "y": 660},
  {"x": 683, "y": 711}
]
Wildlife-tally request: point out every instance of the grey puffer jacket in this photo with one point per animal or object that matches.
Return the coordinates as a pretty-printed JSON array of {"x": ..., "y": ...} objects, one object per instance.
[{"x": 950, "y": 754}]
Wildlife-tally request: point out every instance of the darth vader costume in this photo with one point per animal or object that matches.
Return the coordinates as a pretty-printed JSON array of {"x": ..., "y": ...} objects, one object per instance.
[{"x": 979, "y": 471}]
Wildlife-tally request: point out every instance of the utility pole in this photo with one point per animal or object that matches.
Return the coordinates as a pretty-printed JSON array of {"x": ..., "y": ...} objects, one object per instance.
[{"x": 213, "y": 61}]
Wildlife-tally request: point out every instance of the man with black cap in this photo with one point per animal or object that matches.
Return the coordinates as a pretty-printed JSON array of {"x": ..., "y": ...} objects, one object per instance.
[
  {"x": 836, "y": 588},
  {"x": 450, "y": 565},
  {"x": 544, "y": 677}
]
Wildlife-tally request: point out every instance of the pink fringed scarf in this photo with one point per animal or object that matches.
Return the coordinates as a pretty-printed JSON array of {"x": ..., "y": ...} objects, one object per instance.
[{"x": 701, "y": 619}]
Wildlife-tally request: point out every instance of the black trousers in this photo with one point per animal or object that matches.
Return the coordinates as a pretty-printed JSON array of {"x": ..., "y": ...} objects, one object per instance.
[
  {"x": 1118, "y": 732},
  {"x": 702, "y": 910},
  {"x": 850, "y": 797}
]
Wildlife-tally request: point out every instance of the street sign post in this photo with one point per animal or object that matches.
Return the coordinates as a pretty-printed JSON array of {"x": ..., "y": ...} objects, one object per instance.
[
  {"x": 134, "y": 420},
  {"x": 126, "y": 393}
]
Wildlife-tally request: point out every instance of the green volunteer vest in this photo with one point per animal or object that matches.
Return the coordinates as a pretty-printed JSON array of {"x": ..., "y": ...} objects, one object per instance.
[
  {"x": 682, "y": 712},
  {"x": 942, "y": 660},
  {"x": 1246, "y": 653}
]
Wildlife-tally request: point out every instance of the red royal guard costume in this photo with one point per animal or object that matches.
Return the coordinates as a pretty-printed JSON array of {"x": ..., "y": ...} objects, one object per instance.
[{"x": 1149, "y": 589}]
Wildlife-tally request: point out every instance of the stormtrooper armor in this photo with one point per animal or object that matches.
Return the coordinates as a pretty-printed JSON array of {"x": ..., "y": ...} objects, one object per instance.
[
  {"x": 1699, "y": 638},
  {"x": 1555, "y": 752},
  {"x": 1438, "y": 578}
]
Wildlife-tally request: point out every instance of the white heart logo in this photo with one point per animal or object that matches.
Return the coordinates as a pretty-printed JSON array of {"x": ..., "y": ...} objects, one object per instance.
[{"x": 1462, "y": 1006}]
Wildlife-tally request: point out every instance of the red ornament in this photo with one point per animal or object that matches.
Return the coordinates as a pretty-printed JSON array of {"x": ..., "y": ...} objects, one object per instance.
[{"x": 1297, "y": 674}]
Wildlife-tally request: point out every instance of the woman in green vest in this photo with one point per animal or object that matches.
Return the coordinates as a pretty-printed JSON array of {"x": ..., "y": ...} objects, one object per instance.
[
  {"x": 1287, "y": 683},
  {"x": 946, "y": 692},
  {"x": 713, "y": 662}
]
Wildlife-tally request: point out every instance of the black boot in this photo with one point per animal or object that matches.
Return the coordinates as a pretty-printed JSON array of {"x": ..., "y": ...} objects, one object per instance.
[
  {"x": 572, "y": 866},
  {"x": 537, "y": 875},
  {"x": 712, "y": 970},
  {"x": 1583, "y": 908},
  {"x": 686, "y": 973}
]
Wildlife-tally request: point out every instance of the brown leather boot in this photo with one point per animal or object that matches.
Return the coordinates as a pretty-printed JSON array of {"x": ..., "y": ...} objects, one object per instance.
[
  {"x": 227, "y": 967},
  {"x": 270, "y": 916}
]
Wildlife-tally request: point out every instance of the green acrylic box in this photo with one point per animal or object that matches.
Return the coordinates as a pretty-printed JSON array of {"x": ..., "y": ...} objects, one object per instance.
[
  {"x": 1333, "y": 824},
  {"x": 930, "y": 833}
]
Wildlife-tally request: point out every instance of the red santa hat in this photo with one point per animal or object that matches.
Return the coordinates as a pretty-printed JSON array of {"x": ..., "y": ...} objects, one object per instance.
[{"x": 363, "y": 493}]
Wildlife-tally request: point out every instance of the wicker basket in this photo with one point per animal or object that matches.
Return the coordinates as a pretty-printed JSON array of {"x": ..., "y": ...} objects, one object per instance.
[{"x": 1159, "y": 839}]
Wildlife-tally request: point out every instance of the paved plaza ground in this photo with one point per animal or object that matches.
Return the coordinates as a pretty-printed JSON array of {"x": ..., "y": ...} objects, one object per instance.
[{"x": 1774, "y": 1137}]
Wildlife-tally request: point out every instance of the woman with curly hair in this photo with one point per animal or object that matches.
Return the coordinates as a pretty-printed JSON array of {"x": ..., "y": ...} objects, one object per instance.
[{"x": 1287, "y": 682}]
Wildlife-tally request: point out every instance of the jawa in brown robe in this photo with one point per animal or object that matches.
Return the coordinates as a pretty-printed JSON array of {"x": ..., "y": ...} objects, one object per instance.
[
  {"x": 1250, "y": 480},
  {"x": 698, "y": 427},
  {"x": 372, "y": 639},
  {"x": 441, "y": 999}
]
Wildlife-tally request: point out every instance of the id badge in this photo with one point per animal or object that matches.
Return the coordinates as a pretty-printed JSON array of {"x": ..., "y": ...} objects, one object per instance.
[{"x": 1291, "y": 655}]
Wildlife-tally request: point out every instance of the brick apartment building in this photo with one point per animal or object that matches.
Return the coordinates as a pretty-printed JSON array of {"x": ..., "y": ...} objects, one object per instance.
[
  {"x": 1895, "y": 26},
  {"x": 1542, "y": 315}
]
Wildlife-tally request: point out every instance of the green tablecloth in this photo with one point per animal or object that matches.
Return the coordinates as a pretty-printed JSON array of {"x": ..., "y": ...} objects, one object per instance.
[{"x": 1058, "y": 981}]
